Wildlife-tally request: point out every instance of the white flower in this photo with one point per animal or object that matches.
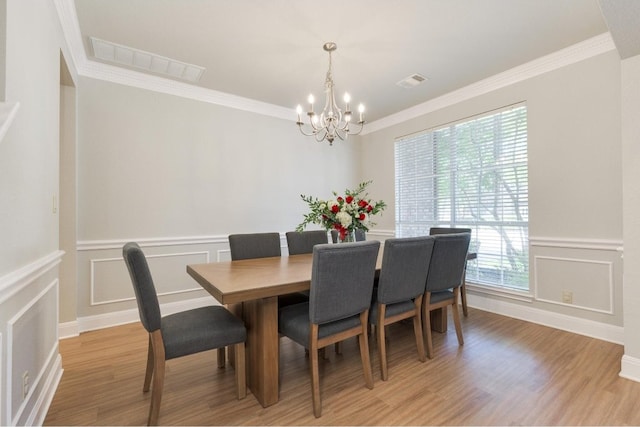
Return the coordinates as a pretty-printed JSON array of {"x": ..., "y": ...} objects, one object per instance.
[{"x": 344, "y": 218}]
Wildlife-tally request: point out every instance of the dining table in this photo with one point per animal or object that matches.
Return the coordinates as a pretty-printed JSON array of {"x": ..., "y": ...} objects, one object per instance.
[{"x": 251, "y": 287}]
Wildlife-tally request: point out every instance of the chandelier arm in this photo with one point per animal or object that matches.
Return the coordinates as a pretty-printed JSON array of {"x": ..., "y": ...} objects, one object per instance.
[{"x": 300, "y": 126}]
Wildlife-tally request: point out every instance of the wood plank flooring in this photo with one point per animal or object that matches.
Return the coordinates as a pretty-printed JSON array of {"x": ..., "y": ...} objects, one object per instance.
[{"x": 509, "y": 372}]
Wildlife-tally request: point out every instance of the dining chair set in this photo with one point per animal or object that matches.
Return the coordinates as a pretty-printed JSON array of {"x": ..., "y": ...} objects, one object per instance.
[{"x": 418, "y": 275}]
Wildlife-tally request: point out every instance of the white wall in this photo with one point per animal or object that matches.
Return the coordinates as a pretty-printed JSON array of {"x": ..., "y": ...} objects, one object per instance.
[
  {"x": 631, "y": 164},
  {"x": 575, "y": 193},
  {"x": 28, "y": 213},
  {"x": 178, "y": 176}
]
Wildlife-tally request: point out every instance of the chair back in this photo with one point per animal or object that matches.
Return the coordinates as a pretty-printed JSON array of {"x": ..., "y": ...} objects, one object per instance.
[
  {"x": 360, "y": 235},
  {"x": 302, "y": 242},
  {"x": 254, "y": 245},
  {"x": 447, "y": 230},
  {"x": 405, "y": 265},
  {"x": 341, "y": 280},
  {"x": 447, "y": 261},
  {"x": 143, "y": 287}
]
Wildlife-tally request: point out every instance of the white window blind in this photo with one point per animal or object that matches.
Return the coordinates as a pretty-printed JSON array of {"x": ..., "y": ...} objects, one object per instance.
[{"x": 471, "y": 174}]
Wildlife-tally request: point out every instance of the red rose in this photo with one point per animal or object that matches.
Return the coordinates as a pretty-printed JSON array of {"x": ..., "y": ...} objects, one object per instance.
[
  {"x": 362, "y": 203},
  {"x": 369, "y": 208},
  {"x": 340, "y": 200},
  {"x": 362, "y": 217},
  {"x": 349, "y": 199},
  {"x": 335, "y": 208}
]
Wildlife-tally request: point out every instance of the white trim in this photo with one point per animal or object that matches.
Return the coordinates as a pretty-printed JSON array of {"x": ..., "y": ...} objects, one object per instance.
[
  {"x": 94, "y": 245},
  {"x": 572, "y": 243},
  {"x": 578, "y": 52},
  {"x": 590, "y": 328},
  {"x": 106, "y": 320},
  {"x": 630, "y": 368},
  {"x": 8, "y": 111},
  {"x": 13, "y": 282},
  {"x": 609, "y": 264},
  {"x": 92, "y": 69},
  {"x": 45, "y": 397},
  {"x": 71, "y": 32},
  {"x": 68, "y": 329},
  {"x": 54, "y": 351}
]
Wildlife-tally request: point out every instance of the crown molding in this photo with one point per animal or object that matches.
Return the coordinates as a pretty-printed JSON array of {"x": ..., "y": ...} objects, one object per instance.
[
  {"x": 159, "y": 84},
  {"x": 81, "y": 65},
  {"x": 567, "y": 56}
]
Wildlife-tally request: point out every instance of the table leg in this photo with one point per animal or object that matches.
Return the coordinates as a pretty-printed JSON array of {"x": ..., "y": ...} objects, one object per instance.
[
  {"x": 262, "y": 348},
  {"x": 439, "y": 319}
]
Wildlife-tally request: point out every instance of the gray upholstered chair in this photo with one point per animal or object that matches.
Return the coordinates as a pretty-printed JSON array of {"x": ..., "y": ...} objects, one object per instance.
[
  {"x": 400, "y": 290},
  {"x": 360, "y": 235},
  {"x": 254, "y": 245},
  {"x": 463, "y": 288},
  {"x": 302, "y": 242},
  {"x": 338, "y": 307},
  {"x": 180, "y": 334},
  {"x": 444, "y": 280}
]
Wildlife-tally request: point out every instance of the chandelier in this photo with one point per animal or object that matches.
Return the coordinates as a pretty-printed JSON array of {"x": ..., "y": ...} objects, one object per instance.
[{"x": 332, "y": 122}]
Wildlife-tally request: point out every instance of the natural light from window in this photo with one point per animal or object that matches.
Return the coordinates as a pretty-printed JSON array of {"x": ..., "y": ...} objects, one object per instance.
[{"x": 471, "y": 174}]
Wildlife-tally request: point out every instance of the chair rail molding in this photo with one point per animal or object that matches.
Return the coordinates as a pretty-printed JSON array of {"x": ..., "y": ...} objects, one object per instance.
[{"x": 13, "y": 282}]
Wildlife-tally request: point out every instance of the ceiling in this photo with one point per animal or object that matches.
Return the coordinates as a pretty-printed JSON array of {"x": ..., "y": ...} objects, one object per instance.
[{"x": 271, "y": 51}]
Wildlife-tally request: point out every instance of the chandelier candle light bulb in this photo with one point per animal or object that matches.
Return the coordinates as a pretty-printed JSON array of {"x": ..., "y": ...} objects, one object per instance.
[{"x": 332, "y": 122}]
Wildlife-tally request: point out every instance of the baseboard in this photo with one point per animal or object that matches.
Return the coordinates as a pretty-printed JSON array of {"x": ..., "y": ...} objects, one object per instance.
[
  {"x": 602, "y": 331},
  {"x": 68, "y": 329},
  {"x": 630, "y": 368},
  {"x": 46, "y": 397}
]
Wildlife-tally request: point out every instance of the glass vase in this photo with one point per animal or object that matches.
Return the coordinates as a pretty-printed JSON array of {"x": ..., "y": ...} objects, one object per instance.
[{"x": 349, "y": 237}]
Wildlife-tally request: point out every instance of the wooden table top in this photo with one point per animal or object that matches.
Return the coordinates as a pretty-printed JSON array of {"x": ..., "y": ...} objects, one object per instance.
[{"x": 236, "y": 281}]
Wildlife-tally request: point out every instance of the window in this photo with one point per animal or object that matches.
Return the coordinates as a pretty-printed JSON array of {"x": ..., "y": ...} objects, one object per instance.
[{"x": 471, "y": 174}]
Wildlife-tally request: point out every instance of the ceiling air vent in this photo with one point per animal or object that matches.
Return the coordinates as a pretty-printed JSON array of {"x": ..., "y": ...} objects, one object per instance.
[
  {"x": 115, "y": 53},
  {"x": 411, "y": 81}
]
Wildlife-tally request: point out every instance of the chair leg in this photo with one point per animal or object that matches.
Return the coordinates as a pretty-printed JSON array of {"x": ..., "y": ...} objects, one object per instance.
[
  {"x": 338, "y": 347},
  {"x": 463, "y": 293},
  {"x": 158, "y": 377},
  {"x": 382, "y": 345},
  {"x": 221, "y": 357},
  {"x": 417, "y": 329},
  {"x": 149, "y": 374},
  {"x": 426, "y": 324},
  {"x": 315, "y": 375},
  {"x": 456, "y": 316},
  {"x": 241, "y": 378},
  {"x": 364, "y": 349}
]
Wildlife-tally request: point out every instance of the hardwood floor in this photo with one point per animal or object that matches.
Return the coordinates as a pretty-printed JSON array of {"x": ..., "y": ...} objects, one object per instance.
[{"x": 509, "y": 372}]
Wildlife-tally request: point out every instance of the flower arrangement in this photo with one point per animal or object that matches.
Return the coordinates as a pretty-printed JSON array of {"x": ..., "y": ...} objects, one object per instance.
[{"x": 347, "y": 213}]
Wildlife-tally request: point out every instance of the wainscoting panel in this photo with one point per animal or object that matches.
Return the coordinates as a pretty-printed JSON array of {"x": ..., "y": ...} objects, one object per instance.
[
  {"x": 28, "y": 339},
  {"x": 168, "y": 271},
  {"x": 580, "y": 283},
  {"x": 578, "y": 274},
  {"x": 33, "y": 341}
]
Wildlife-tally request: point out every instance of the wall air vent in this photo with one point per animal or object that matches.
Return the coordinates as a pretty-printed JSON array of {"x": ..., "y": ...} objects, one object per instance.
[
  {"x": 411, "y": 81},
  {"x": 115, "y": 53}
]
